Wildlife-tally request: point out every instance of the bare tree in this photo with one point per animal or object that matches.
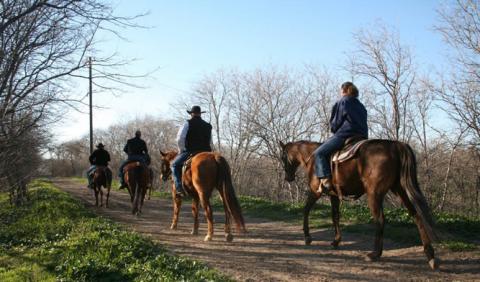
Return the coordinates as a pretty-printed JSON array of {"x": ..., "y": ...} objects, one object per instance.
[
  {"x": 43, "y": 46},
  {"x": 388, "y": 66}
]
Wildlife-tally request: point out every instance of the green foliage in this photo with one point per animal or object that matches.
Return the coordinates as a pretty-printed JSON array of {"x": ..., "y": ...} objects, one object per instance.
[
  {"x": 54, "y": 237},
  {"x": 456, "y": 232}
]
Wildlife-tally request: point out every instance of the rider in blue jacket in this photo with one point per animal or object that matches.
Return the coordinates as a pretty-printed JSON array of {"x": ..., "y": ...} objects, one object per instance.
[{"x": 348, "y": 118}]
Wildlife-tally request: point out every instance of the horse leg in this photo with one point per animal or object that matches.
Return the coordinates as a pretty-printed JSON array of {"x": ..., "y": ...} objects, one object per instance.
[
  {"x": 208, "y": 214},
  {"x": 108, "y": 196},
  {"x": 335, "y": 202},
  {"x": 195, "y": 214},
  {"x": 101, "y": 195},
  {"x": 311, "y": 200},
  {"x": 426, "y": 242},
  {"x": 375, "y": 203},
  {"x": 95, "y": 191},
  {"x": 177, "y": 203},
  {"x": 228, "y": 232},
  {"x": 144, "y": 192}
]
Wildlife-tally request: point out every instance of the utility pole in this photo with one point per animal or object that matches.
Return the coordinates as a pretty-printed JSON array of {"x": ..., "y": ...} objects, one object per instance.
[{"x": 90, "y": 99}]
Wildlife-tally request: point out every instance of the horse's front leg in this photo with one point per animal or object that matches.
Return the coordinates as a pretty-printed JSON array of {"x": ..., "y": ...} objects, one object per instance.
[
  {"x": 335, "y": 203},
  {"x": 177, "y": 203},
  {"x": 311, "y": 200}
]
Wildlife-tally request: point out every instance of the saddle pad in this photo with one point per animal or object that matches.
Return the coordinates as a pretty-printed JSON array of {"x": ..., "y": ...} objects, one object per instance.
[
  {"x": 131, "y": 165},
  {"x": 348, "y": 153}
]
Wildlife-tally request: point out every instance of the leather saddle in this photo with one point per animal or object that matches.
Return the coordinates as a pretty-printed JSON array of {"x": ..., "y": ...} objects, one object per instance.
[
  {"x": 349, "y": 149},
  {"x": 188, "y": 163}
]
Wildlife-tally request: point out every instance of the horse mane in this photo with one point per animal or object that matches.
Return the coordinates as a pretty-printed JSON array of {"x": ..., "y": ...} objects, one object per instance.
[{"x": 303, "y": 142}]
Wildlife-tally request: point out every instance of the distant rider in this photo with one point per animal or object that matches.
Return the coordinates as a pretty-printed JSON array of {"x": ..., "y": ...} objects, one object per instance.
[
  {"x": 99, "y": 157},
  {"x": 136, "y": 149}
]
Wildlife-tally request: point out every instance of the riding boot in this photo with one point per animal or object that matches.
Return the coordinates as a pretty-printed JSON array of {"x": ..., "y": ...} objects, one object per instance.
[{"x": 325, "y": 185}]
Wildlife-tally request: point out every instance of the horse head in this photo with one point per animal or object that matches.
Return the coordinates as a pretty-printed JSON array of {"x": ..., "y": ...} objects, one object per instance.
[
  {"x": 290, "y": 164},
  {"x": 166, "y": 160}
]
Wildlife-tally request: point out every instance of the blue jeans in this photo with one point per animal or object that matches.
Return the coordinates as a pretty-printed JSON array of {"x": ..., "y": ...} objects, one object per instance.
[
  {"x": 89, "y": 174},
  {"x": 131, "y": 158},
  {"x": 323, "y": 153},
  {"x": 177, "y": 166}
]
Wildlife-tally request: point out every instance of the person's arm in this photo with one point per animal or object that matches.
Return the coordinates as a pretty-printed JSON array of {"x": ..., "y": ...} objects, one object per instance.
[
  {"x": 337, "y": 117},
  {"x": 145, "y": 147},
  {"x": 125, "y": 149},
  {"x": 91, "y": 158},
  {"x": 108, "y": 157},
  {"x": 211, "y": 139},
  {"x": 181, "y": 137}
]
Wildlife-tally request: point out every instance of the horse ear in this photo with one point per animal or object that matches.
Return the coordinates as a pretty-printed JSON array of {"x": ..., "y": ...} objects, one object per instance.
[
  {"x": 162, "y": 153},
  {"x": 281, "y": 144}
]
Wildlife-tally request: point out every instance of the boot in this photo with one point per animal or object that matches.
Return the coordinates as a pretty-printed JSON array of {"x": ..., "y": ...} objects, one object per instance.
[{"x": 325, "y": 185}]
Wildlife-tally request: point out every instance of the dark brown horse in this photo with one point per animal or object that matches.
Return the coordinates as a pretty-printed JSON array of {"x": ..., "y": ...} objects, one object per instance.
[
  {"x": 378, "y": 167},
  {"x": 207, "y": 172},
  {"x": 137, "y": 177},
  {"x": 102, "y": 177}
]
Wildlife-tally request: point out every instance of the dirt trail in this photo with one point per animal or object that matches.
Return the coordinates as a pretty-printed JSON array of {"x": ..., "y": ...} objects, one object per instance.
[{"x": 275, "y": 251}]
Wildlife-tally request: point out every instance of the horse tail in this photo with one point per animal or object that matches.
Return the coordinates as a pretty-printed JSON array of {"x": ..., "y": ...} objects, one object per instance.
[
  {"x": 230, "y": 198},
  {"x": 409, "y": 182}
]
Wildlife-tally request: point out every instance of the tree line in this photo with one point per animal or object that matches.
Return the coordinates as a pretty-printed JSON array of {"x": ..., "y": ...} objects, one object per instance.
[{"x": 251, "y": 111}]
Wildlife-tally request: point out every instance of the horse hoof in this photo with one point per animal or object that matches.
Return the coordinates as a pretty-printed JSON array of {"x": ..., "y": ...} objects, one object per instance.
[
  {"x": 372, "y": 257},
  {"x": 335, "y": 244},
  {"x": 208, "y": 238},
  {"x": 308, "y": 240},
  {"x": 433, "y": 264},
  {"x": 229, "y": 237},
  {"x": 173, "y": 226},
  {"x": 194, "y": 232}
]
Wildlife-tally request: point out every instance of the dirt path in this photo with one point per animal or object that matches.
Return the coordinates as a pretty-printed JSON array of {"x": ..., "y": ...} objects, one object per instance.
[{"x": 274, "y": 251}]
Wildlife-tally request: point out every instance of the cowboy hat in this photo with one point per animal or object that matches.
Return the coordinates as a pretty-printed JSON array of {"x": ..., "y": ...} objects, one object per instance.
[{"x": 195, "y": 110}]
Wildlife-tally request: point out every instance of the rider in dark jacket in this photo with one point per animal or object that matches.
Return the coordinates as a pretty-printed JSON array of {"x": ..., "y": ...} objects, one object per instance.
[
  {"x": 193, "y": 137},
  {"x": 348, "y": 118},
  {"x": 99, "y": 157},
  {"x": 136, "y": 149}
]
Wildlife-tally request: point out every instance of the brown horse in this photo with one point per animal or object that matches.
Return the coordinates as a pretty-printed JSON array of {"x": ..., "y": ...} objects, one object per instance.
[
  {"x": 137, "y": 177},
  {"x": 102, "y": 176},
  {"x": 379, "y": 166},
  {"x": 207, "y": 172}
]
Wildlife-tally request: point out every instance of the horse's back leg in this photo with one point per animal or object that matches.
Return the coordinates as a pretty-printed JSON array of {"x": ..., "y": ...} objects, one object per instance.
[
  {"x": 195, "y": 202},
  {"x": 426, "y": 241},
  {"x": 101, "y": 195},
  {"x": 108, "y": 196},
  {"x": 228, "y": 232},
  {"x": 204, "y": 200},
  {"x": 311, "y": 200},
  {"x": 95, "y": 191},
  {"x": 375, "y": 203},
  {"x": 335, "y": 203}
]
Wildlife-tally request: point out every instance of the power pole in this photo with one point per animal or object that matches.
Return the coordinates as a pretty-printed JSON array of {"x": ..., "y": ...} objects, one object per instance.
[{"x": 90, "y": 98}]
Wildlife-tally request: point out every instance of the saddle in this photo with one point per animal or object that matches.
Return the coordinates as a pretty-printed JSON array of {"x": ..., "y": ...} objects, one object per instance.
[
  {"x": 187, "y": 164},
  {"x": 349, "y": 150},
  {"x": 133, "y": 164}
]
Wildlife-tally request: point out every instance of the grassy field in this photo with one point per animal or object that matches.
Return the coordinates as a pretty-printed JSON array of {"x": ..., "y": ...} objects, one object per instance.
[
  {"x": 54, "y": 237},
  {"x": 457, "y": 233}
]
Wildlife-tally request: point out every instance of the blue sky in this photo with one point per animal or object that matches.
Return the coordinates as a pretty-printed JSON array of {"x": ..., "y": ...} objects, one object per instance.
[{"x": 188, "y": 39}]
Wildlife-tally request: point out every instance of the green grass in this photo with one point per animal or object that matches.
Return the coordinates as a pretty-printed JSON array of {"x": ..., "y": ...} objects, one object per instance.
[
  {"x": 457, "y": 233},
  {"x": 53, "y": 237}
]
